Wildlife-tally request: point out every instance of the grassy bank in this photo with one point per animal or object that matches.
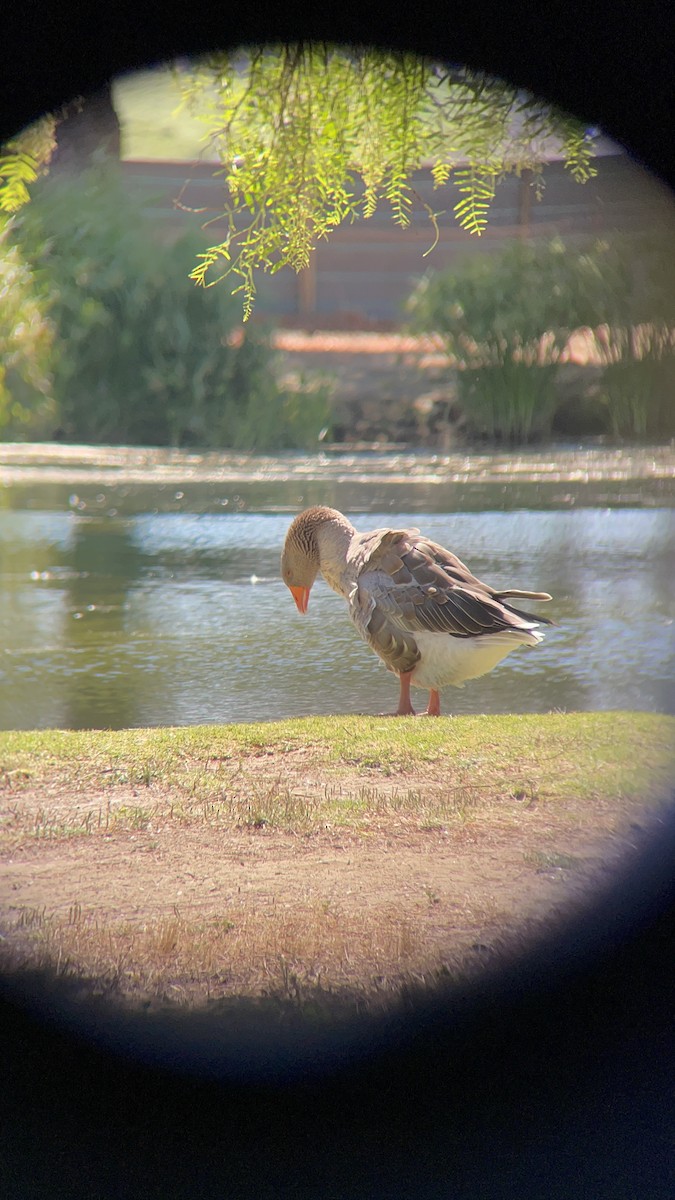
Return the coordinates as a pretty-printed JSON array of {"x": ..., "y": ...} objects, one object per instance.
[
  {"x": 344, "y": 854},
  {"x": 553, "y": 759}
]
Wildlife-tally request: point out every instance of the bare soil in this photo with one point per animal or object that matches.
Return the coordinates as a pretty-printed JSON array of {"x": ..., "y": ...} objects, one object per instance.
[{"x": 187, "y": 908}]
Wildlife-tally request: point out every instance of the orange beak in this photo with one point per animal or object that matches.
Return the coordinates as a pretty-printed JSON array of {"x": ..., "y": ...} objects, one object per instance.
[{"x": 301, "y": 597}]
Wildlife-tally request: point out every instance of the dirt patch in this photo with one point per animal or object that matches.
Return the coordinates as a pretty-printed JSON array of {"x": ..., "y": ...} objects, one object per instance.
[{"x": 136, "y": 887}]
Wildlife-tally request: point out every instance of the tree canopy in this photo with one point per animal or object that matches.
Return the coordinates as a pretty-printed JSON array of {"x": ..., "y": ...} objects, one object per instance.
[{"x": 309, "y": 136}]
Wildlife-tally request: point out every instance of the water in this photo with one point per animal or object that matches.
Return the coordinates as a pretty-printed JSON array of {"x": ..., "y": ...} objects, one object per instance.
[{"x": 114, "y": 615}]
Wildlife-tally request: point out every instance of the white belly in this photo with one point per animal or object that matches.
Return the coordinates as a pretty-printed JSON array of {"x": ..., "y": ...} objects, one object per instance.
[{"x": 449, "y": 660}]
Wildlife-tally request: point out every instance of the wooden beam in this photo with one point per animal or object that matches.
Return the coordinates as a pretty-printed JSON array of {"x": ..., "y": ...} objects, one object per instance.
[{"x": 306, "y": 303}]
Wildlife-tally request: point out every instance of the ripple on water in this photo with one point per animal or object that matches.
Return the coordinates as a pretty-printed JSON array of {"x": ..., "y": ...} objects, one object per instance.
[{"x": 183, "y": 617}]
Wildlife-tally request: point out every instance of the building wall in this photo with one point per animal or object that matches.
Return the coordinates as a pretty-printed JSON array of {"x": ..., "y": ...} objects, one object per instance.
[{"x": 361, "y": 277}]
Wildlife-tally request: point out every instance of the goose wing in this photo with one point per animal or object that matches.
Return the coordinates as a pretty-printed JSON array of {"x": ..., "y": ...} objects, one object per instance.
[{"x": 408, "y": 584}]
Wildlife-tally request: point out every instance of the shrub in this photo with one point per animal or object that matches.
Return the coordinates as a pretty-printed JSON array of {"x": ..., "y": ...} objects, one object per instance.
[
  {"x": 141, "y": 354},
  {"x": 634, "y": 334},
  {"x": 26, "y": 338},
  {"x": 512, "y": 402},
  {"x": 506, "y": 318}
]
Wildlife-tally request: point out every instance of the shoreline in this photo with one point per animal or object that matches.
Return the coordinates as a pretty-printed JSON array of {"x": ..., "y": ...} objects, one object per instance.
[{"x": 54, "y": 462}]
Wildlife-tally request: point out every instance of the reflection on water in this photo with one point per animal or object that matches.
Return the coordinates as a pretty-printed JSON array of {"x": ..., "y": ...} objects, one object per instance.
[
  {"x": 123, "y": 480},
  {"x": 181, "y": 618}
]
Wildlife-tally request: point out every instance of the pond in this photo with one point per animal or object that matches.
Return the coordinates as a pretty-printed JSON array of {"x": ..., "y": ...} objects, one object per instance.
[{"x": 142, "y": 588}]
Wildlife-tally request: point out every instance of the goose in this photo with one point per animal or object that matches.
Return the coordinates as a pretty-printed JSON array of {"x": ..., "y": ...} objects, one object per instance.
[{"x": 414, "y": 602}]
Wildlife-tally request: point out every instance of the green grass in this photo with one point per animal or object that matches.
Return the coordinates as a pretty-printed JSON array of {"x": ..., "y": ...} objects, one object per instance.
[
  {"x": 312, "y": 773},
  {"x": 360, "y": 739},
  {"x": 627, "y": 741},
  {"x": 552, "y": 860}
]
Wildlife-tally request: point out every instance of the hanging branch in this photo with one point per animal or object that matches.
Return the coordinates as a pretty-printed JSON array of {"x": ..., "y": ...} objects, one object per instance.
[{"x": 309, "y": 136}]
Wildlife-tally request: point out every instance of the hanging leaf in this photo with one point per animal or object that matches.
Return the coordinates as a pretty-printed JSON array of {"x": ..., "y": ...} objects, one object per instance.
[{"x": 309, "y": 136}]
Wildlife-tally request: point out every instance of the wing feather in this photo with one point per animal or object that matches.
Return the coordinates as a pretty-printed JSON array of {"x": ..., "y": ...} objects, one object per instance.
[
  {"x": 415, "y": 585},
  {"x": 399, "y": 585}
]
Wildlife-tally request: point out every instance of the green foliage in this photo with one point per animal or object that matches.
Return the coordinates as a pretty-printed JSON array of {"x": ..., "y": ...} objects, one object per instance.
[
  {"x": 286, "y": 131},
  {"x": 26, "y": 338},
  {"x": 634, "y": 333},
  {"x": 312, "y": 135},
  {"x": 140, "y": 356},
  {"x": 507, "y": 317},
  {"x": 512, "y": 402},
  {"x": 22, "y": 160},
  {"x": 497, "y": 306},
  {"x": 478, "y": 191},
  {"x": 639, "y": 395}
]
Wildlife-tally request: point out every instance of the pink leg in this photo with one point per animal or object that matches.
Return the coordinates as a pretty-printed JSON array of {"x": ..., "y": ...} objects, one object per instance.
[
  {"x": 434, "y": 708},
  {"x": 405, "y": 708}
]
